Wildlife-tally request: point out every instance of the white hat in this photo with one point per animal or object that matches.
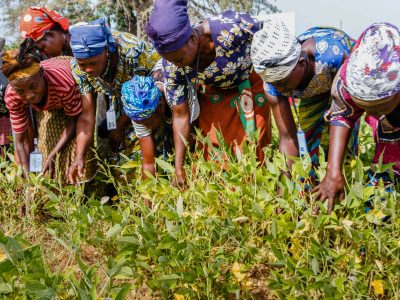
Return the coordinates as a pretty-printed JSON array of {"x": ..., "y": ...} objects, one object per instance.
[{"x": 275, "y": 50}]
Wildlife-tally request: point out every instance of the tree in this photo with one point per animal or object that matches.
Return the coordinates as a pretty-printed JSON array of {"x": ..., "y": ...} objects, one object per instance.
[
  {"x": 127, "y": 15},
  {"x": 132, "y": 15},
  {"x": 203, "y": 8}
]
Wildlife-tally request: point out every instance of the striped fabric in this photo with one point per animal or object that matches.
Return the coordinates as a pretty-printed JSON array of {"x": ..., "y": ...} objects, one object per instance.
[{"x": 62, "y": 93}]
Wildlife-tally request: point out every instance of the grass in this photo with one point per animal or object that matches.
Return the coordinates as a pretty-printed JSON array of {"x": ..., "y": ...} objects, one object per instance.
[{"x": 220, "y": 238}]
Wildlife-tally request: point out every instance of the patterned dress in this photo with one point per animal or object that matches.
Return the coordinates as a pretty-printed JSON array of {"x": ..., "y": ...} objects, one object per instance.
[
  {"x": 5, "y": 124},
  {"x": 134, "y": 57},
  {"x": 223, "y": 82},
  {"x": 344, "y": 112},
  {"x": 331, "y": 47}
]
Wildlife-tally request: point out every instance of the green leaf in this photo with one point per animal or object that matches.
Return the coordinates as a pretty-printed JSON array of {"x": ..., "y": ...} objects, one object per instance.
[
  {"x": 5, "y": 288},
  {"x": 179, "y": 206},
  {"x": 123, "y": 292},
  {"x": 274, "y": 228},
  {"x": 170, "y": 215},
  {"x": 113, "y": 230},
  {"x": 128, "y": 240},
  {"x": 167, "y": 167},
  {"x": 131, "y": 165},
  {"x": 169, "y": 277},
  {"x": 315, "y": 266},
  {"x": 6, "y": 266}
]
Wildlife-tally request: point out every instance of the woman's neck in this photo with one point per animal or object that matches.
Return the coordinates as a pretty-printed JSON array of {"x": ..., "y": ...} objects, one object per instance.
[
  {"x": 112, "y": 66},
  {"x": 206, "y": 46},
  {"x": 67, "y": 47},
  {"x": 308, "y": 47}
]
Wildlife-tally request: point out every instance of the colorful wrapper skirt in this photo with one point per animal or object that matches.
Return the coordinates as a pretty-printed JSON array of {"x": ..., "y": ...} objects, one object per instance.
[
  {"x": 235, "y": 113},
  {"x": 50, "y": 126}
]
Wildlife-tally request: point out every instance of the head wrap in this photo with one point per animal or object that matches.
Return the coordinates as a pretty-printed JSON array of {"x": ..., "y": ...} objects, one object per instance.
[
  {"x": 140, "y": 97},
  {"x": 169, "y": 25},
  {"x": 90, "y": 39},
  {"x": 373, "y": 71},
  {"x": 275, "y": 51},
  {"x": 14, "y": 70},
  {"x": 36, "y": 21}
]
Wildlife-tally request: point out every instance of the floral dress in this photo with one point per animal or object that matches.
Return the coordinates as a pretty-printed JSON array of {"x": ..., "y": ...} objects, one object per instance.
[
  {"x": 331, "y": 48},
  {"x": 223, "y": 82}
]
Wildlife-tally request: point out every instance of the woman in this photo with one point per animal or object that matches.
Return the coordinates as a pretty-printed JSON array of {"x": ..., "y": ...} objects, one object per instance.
[
  {"x": 369, "y": 81},
  {"x": 216, "y": 55},
  {"x": 48, "y": 88},
  {"x": 48, "y": 31},
  {"x": 301, "y": 69},
  {"x": 5, "y": 125},
  {"x": 145, "y": 105},
  {"x": 103, "y": 62}
]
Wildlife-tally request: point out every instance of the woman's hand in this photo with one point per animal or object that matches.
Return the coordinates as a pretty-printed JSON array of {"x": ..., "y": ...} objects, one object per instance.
[
  {"x": 331, "y": 185},
  {"x": 48, "y": 166},
  {"x": 76, "y": 170},
  {"x": 179, "y": 179}
]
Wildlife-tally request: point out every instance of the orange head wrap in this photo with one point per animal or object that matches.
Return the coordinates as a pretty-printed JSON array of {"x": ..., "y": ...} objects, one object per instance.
[{"x": 37, "y": 20}]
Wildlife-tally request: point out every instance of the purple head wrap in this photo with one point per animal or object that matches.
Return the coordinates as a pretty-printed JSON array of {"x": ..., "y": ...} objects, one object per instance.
[{"x": 169, "y": 25}]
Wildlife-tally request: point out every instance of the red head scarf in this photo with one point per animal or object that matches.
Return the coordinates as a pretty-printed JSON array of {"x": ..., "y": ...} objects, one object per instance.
[{"x": 37, "y": 20}]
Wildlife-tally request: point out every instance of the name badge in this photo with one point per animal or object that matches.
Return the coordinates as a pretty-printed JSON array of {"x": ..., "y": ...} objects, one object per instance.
[
  {"x": 301, "y": 139},
  {"x": 35, "y": 162},
  {"x": 111, "y": 119}
]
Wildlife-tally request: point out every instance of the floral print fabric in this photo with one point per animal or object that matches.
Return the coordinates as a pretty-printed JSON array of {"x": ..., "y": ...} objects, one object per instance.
[{"x": 232, "y": 34}]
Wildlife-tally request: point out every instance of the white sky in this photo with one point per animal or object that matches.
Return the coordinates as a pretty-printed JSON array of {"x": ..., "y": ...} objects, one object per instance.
[{"x": 356, "y": 15}]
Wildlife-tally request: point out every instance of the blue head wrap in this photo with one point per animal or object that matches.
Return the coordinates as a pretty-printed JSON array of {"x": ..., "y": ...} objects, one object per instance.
[
  {"x": 169, "y": 25},
  {"x": 140, "y": 97},
  {"x": 90, "y": 39}
]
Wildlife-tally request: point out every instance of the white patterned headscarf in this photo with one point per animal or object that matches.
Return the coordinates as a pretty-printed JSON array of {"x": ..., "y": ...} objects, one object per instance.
[
  {"x": 373, "y": 71},
  {"x": 275, "y": 50}
]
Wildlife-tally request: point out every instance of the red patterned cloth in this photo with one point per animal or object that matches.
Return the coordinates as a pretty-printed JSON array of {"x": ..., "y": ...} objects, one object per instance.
[
  {"x": 5, "y": 131},
  {"x": 37, "y": 20},
  {"x": 61, "y": 93}
]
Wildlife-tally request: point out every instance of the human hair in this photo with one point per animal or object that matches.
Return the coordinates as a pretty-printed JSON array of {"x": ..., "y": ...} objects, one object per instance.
[{"x": 57, "y": 27}]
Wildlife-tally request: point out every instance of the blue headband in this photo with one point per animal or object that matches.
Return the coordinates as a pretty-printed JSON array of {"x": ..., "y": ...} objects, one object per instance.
[
  {"x": 90, "y": 39},
  {"x": 140, "y": 97}
]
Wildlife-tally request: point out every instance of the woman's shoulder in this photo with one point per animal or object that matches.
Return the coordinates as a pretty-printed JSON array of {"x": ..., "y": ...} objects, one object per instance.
[
  {"x": 230, "y": 28},
  {"x": 60, "y": 62}
]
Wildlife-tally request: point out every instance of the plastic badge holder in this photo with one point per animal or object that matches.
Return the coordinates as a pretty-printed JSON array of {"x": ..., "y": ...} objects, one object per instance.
[
  {"x": 35, "y": 160},
  {"x": 111, "y": 119},
  {"x": 301, "y": 139}
]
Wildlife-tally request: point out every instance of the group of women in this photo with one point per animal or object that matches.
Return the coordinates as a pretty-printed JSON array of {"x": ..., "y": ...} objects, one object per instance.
[{"x": 223, "y": 76}]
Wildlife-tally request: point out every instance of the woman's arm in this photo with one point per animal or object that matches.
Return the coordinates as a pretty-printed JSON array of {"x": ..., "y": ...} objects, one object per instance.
[
  {"x": 181, "y": 129},
  {"x": 84, "y": 136},
  {"x": 23, "y": 146},
  {"x": 333, "y": 182},
  {"x": 147, "y": 148},
  {"x": 66, "y": 136},
  {"x": 286, "y": 126}
]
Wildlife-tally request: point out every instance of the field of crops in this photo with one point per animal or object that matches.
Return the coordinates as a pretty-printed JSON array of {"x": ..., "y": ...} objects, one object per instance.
[{"x": 236, "y": 232}]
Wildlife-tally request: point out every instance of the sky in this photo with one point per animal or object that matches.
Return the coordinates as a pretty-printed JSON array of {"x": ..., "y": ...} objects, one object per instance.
[{"x": 355, "y": 15}]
